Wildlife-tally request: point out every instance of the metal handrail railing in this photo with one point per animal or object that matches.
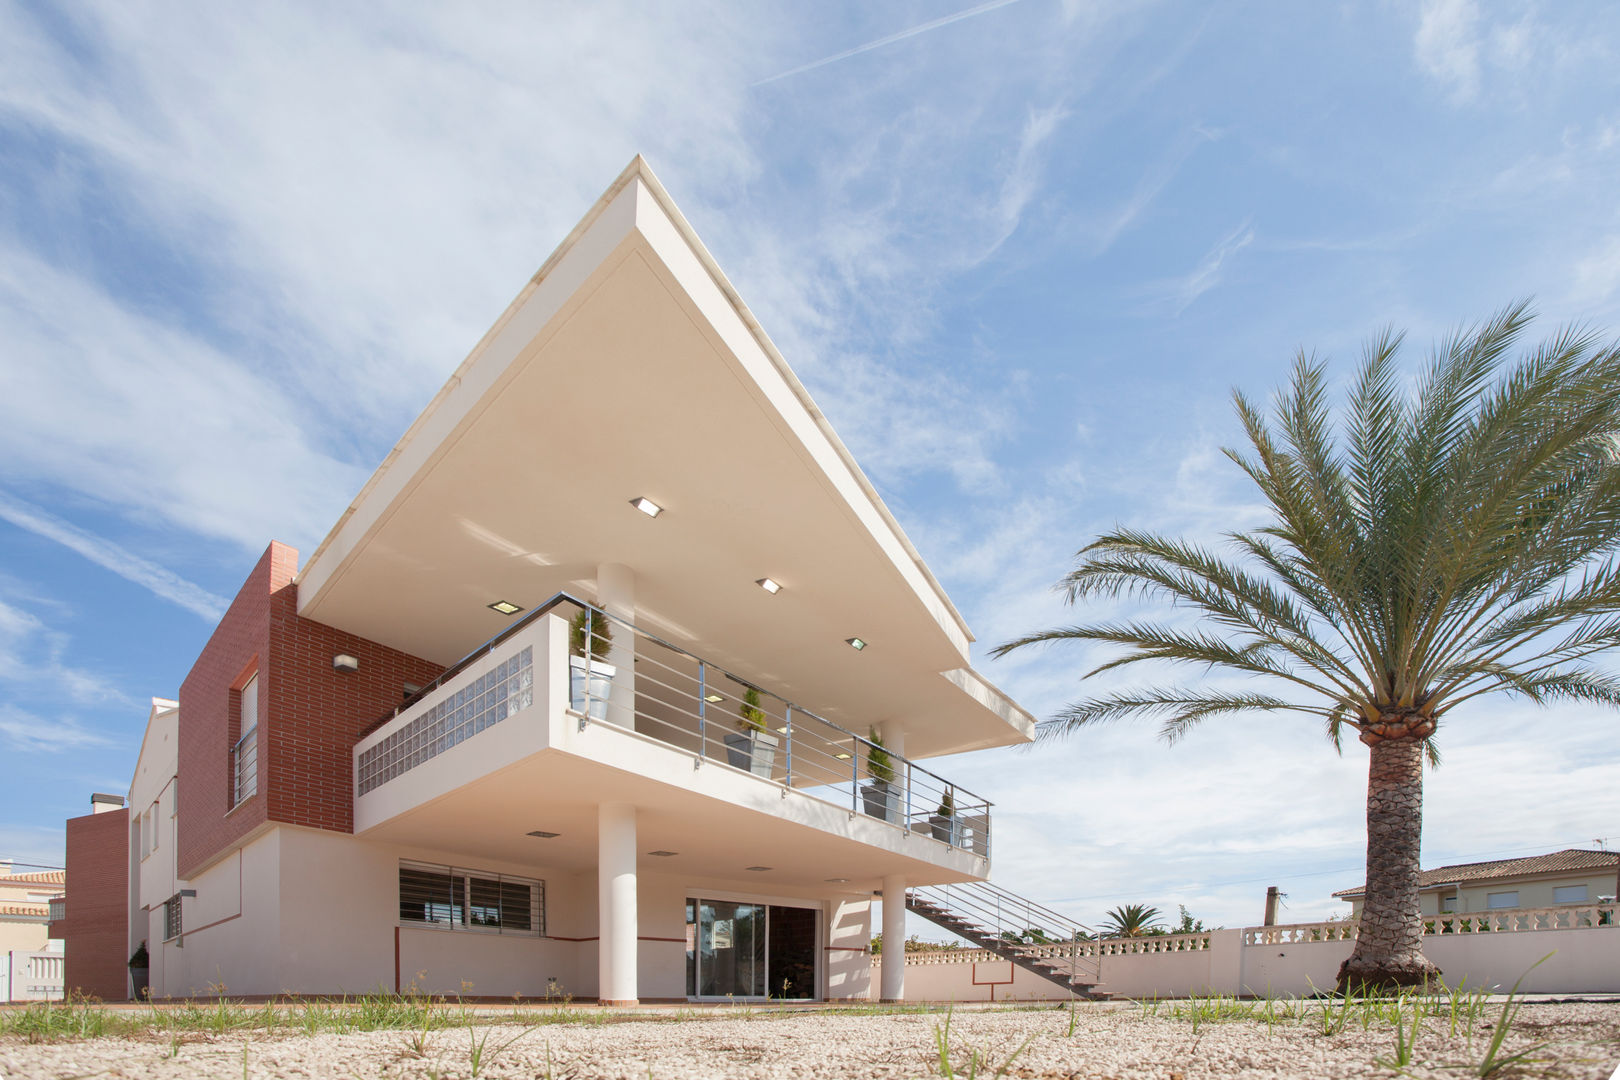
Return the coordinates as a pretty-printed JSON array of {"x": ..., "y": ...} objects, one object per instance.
[
  {"x": 681, "y": 699},
  {"x": 678, "y": 695}
]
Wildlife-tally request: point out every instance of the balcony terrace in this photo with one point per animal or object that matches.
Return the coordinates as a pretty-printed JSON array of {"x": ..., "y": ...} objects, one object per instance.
[{"x": 526, "y": 730}]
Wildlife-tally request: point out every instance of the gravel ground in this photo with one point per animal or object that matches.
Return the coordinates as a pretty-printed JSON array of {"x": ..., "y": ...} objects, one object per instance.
[{"x": 1115, "y": 1041}]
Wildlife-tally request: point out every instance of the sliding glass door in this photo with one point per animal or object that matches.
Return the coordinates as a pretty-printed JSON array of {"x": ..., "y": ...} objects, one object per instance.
[{"x": 747, "y": 950}]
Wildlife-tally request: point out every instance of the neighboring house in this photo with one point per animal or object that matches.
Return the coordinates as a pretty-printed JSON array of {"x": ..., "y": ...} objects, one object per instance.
[
  {"x": 386, "y": 769},
  {"x": 1572, "y": 876},
  {"x": 25, "y": 906}
]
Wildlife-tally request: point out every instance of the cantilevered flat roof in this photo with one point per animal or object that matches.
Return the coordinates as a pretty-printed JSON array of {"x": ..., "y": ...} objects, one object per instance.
[{"x": 628, "y": 366}]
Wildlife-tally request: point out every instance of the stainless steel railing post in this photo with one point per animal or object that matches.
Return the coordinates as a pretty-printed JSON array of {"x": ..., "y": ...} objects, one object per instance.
[{"x": 703, "y": 708}]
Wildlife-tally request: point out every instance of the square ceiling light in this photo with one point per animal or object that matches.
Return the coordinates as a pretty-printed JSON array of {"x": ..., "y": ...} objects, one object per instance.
[
  {"x": 770, "y": 585},
  {"x": 855, "y": 643},
  {"x": 757, "y": 869},
  {"x": 646, "y": 506},
  {"x": 506, "y": 607},
  {"x": 663, "y": 854},
  {"x": 542, "y": 834},
  {"x": 713, "y": 699}
]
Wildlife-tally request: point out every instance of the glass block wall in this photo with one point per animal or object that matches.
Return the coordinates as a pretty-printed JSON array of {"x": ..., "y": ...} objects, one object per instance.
[{"x": 482, "y": 703}]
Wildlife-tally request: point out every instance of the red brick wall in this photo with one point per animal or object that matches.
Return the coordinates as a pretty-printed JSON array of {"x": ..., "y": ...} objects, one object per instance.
[
  {"x": 96, "y": 924},
  {"x": 203, "y": 785},
  {"x": 309, "y": 715},
  {"x": 318, "y": 713}
]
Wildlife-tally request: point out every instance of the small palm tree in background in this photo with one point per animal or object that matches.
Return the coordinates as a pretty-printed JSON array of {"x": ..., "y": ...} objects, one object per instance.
[
  {"x": 1440, "y": 543},
  {"x": 1130, "y": 920}
]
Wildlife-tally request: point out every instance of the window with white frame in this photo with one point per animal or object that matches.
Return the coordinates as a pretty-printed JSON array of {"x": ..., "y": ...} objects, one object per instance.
[
  {"x": 245, "y": 753},
  {"x": 1571, "y": 894},
  {"x": 458, "y": 899},
  {"x": 1502, "y": 899},
  {"x": 1448, "y": 905}
]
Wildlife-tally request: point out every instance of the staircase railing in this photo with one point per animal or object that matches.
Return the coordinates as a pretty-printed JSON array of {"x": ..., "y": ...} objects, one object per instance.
[{"x": 1017, "y": 924}]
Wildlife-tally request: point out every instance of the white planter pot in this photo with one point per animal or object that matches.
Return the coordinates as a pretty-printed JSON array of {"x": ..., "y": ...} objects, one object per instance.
[{"x": 589, "y": 688}]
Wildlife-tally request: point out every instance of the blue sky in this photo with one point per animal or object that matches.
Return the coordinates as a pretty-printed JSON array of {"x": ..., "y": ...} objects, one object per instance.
[{"x": 1020, "y": 253}]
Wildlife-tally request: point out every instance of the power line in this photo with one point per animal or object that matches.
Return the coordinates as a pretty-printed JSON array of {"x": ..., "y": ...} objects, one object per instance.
[{"x": 35, "y": 865}]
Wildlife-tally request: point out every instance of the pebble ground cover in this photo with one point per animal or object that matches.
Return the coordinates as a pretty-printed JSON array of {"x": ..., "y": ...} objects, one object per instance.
[{"x": 1429, "y": 1036}]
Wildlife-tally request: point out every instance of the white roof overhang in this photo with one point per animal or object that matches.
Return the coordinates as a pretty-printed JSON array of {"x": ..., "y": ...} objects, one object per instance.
[{"x": 629, "y": 367}]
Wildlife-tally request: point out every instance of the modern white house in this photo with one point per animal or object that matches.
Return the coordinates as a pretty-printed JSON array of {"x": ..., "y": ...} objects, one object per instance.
[{"x": 394, "y": 766}]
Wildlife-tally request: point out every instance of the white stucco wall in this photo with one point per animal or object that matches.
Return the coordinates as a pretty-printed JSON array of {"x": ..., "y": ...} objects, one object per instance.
[{"x": 304, "y": 911}]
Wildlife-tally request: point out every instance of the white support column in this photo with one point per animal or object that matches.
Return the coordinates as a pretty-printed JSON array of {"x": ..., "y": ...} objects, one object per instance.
[
  {"x": 893, "y": 968},
  {"x": 617, "y": 925},
  {"x": 616, "y": 592},
  {"x": 894, "y": 741}
]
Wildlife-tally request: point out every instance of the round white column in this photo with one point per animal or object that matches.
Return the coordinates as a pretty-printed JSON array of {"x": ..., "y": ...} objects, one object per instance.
[
  {"x": 893, "y": 968},
  {"x": 894, "y": 741},
  {"x": 616, "y": 904},
  {"x": 616, "y": 593}
]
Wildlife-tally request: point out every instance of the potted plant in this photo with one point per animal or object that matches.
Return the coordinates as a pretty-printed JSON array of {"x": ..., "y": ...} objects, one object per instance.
[
  {"x": 753, "y": 746},
  {"x": 590, "y": 678},
  {"x": 881, "y": 797},
  {"x": 943, "y": 820},
  {"x": 139, "y": 973}
]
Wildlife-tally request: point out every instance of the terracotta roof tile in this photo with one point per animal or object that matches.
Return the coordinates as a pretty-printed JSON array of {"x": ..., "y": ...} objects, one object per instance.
[
  {"x": 38, "y": 877},
  {"x": 1570, "y": 859},
  {"x": 39, "y": 910}
]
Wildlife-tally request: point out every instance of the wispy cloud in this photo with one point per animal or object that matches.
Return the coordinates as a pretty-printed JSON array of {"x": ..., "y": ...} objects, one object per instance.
[
  {"x": 159, "y": 580},
  {"x": 1447, "y": 45},
  {"x": 31, "y": 656},
  {"x": 911, "y": 32},
  {"x": 27, "y": 732},
  {"x": 1210, "y": 269},
  {"x": 1148, "y": 188}
]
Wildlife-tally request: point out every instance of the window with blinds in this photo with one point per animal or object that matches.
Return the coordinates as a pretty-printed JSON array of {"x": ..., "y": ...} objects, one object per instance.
[{"x": 459, "y": 899}]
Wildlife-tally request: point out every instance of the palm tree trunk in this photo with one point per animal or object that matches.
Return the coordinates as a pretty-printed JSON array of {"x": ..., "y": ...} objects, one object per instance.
[{"x": 1389, "y": 939}]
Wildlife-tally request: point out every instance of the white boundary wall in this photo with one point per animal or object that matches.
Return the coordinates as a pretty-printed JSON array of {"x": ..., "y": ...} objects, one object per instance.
[
  {"x": 1582, "y": 946},
  {"x": 31, "y": 975}
]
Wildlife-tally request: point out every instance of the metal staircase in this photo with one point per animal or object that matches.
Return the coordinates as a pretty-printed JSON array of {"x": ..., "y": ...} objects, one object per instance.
[{"x": 1037, "y": 939}]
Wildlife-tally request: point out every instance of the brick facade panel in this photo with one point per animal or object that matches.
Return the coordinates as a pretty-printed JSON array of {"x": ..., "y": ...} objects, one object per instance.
[
  {"x": 95, "y": 929},
  {"x": 310, "y": 715}
]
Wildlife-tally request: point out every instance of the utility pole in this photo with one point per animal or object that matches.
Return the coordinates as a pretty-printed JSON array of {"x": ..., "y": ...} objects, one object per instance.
[{"x": 1271, "y": 905}]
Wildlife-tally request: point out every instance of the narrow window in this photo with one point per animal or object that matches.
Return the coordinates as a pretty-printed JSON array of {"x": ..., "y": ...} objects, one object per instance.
[
  {"x": 1570, "y": 894},
  {"x": 245, "y": 754},
  {"x": 171, "y": 918}
]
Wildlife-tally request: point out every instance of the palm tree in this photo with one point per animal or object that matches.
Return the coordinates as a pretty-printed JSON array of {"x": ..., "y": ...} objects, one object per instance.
[
  {"x": 1130, "y": 920},
  {"x": 1436, "y": 544}
]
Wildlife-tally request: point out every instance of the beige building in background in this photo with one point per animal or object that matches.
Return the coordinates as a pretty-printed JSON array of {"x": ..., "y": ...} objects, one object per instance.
[
  {"x": 1569, "y": 877},
  {"x": 25, "y": 907}
]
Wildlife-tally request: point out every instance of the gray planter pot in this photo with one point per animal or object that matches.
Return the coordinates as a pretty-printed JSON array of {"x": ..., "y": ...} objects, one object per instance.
[
  {"x": 590, "y": 686},
  {"x": 882, "y": 800},
  {"x": 946, "y": 828},
  {"x": 756, "y": 752}
]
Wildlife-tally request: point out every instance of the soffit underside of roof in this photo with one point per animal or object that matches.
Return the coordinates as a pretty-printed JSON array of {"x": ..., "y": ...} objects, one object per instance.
[{"x": 629, "y": 390}]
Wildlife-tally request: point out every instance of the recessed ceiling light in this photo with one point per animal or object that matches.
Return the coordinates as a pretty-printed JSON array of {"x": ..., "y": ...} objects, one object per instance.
[
  {"x": 855, "y": 643},
  {"x": 646, "y": 506},
  {"x": 712, "y": 698},
  {"x": 663, "y": 854},
  {"x": 770, "y": 586},
  {"x": 506, "y": 607},
  {"x": 757, "y": 869},
  {"x": 843, "y": 757},
  {"x": 837, "y": 881},
  {"x": 542, "y": 834},
  {"x": 783, "y": 729}
]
